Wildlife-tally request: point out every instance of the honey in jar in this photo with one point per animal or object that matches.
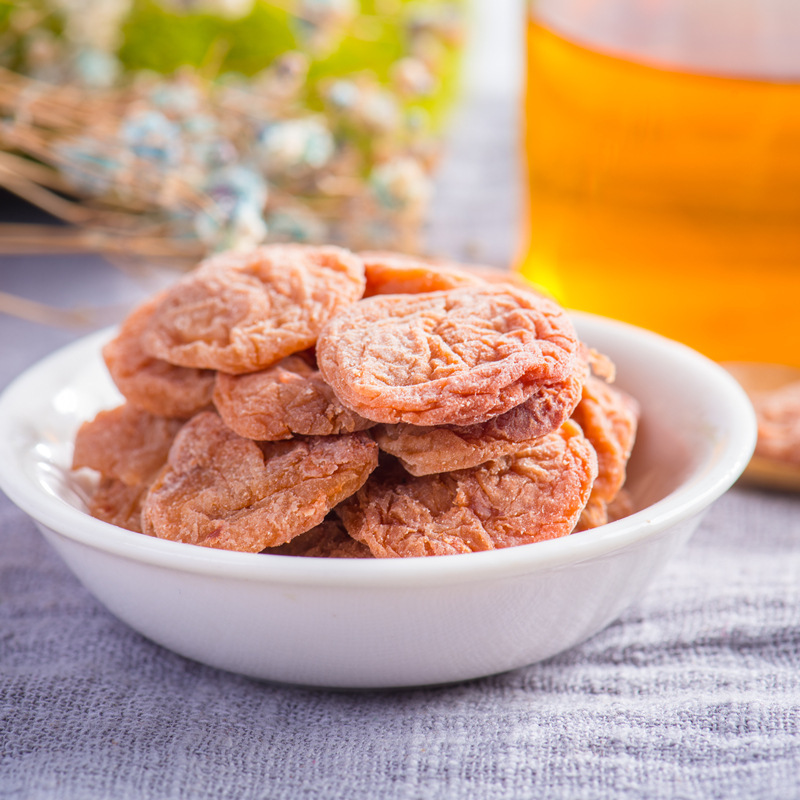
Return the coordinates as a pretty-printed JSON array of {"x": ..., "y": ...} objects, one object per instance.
[{"x": 664, "y": 195}]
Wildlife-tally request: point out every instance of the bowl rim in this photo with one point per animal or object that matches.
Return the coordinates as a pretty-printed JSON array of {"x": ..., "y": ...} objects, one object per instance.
[{"x": 725, "y": 465}]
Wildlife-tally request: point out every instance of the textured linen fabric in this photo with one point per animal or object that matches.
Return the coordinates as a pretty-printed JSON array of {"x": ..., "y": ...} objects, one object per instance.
[{"x": 693, "y": 693}]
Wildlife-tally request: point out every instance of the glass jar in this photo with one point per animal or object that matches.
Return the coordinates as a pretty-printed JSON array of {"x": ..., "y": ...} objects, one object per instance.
[{"x": 662, "y": 140}]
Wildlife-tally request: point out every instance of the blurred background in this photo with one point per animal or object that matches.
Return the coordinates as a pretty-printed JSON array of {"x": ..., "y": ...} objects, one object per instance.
[
  {"x": 138, "y": 136},
  {"x": 638, "y": 159},
  {"x": 188, "y": 127}
]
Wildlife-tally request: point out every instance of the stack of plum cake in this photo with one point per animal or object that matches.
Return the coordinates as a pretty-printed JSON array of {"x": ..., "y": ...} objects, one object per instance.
[{"x": 312, "y": 401}]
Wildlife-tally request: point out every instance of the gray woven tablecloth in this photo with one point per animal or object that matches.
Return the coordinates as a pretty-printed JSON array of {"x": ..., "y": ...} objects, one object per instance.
[{"x": 693, "y": 693}]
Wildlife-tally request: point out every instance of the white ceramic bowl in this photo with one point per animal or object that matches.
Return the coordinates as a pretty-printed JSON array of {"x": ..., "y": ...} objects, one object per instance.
[{"x": 393, "y": 622}]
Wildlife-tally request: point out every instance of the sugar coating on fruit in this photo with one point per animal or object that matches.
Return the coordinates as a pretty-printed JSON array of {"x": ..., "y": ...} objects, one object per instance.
[
  {"x": 281, "y": 401},
  {"x": 125, "y": 443},
  {"x": 609, "y": 419},
  {"x": 150, "y": 383},
  {"x": 221, "y": 490},
  {"x": 241, "y": 312},
  {"x": 535, "y": 494},
  {"x": 452, "y": 357},
  {"x": 329, "y": 539}
]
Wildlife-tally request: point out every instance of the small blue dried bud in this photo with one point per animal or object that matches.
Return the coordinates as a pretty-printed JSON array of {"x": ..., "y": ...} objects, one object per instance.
[
  {"x": 401, "y": 184},
  {"x": 149, "y": 135},
  {"x": 296, "y": 225},
  {"x": 295, "y": 144},
  {"x": 343, "y": 95}
]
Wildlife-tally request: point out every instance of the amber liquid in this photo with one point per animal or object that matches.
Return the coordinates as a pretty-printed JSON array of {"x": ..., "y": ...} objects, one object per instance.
[{"x": 665, "y": 199}]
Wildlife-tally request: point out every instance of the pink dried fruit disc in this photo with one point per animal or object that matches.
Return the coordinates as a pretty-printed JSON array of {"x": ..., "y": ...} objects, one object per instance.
[
  {"x": 241, "y": 312},
  {"x": 118, "y": 504},
  {"x": 329, "y": 539},
  {"x": 396, "y": 273},
  {"x": 285, "y": 399},
  {"x": 444, "y": 448},
  {"x": 224, "y": 491},
  {"x": 454, "y": 357},
  {"x": 125, "y": 443},
  {"x": 778, "y": 415},
  {"x": 151, "y": 383},
  {"x": 609, "y": 419},
  {"x": 536, "y": 494}
]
